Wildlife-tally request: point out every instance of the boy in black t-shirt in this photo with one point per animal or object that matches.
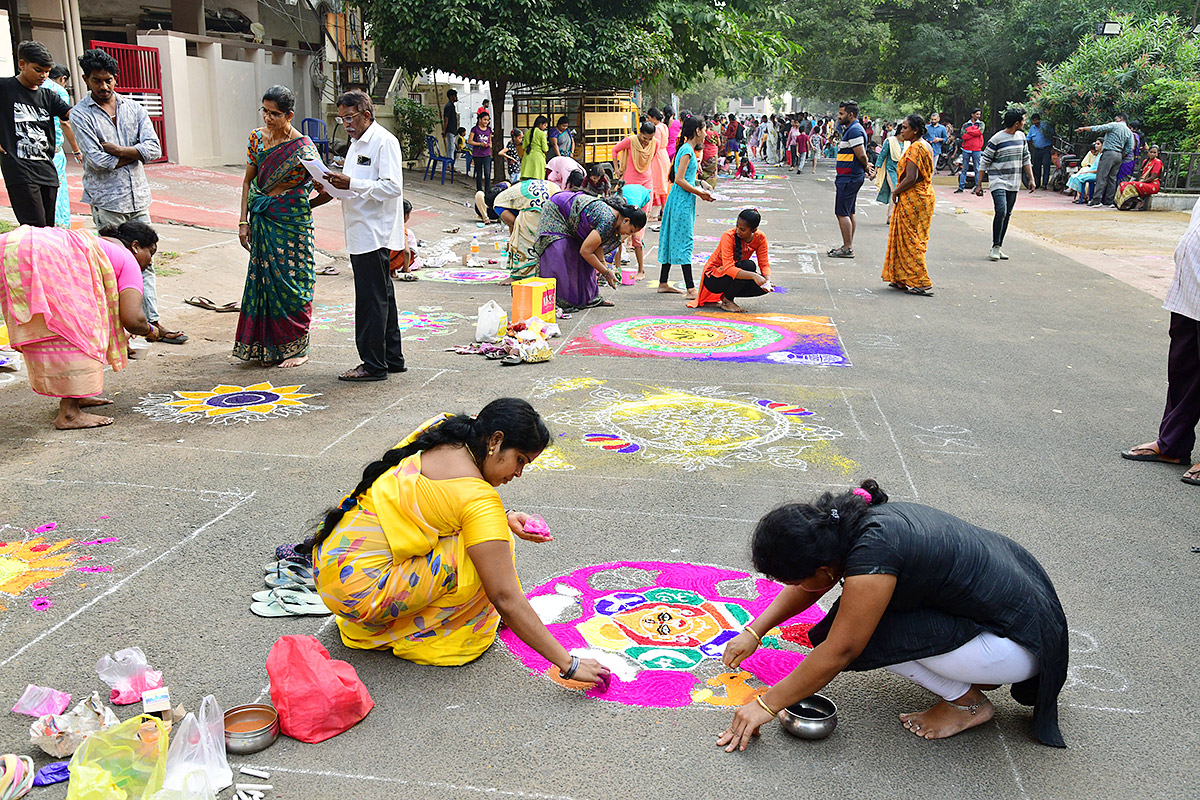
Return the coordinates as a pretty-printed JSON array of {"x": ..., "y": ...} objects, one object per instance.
[{"x": 28, "y": 113}]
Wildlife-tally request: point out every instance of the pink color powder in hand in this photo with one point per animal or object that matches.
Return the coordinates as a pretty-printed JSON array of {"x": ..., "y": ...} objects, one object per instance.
[{"x": 535, "y": 524}]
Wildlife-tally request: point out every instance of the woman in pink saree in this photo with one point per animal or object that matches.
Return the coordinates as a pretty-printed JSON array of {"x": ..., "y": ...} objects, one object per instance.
[{"x": 69, "y": 297}]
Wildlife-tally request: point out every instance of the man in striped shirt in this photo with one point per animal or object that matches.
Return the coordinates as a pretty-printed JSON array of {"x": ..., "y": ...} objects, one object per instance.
[
  {"x": 852, "y": 164},
  {"x": 1005, "y": 159}
]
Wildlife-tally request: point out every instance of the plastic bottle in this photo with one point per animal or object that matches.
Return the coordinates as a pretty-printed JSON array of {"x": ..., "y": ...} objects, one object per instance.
[{"x": 474, "y": 245}]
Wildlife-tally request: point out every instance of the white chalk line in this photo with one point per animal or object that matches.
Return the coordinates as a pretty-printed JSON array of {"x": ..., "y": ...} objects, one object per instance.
[
  {"x": 235, "y": 493},
  {"x": 899, "y": 454},
  {"x": 377, "y": 414},
  {"x": 1106, "y": 708},
  {"x": 457, "y": 787},
  {"x": 1012, "y": 764},
  {"x": 121, "y": 583}
]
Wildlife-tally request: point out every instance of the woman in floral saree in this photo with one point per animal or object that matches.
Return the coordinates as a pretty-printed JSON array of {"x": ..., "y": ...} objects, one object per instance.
[{"x": 276, "y": 227}]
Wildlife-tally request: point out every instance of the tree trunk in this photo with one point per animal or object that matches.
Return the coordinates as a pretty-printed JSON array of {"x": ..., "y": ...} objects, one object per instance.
[{"x": 499, "y": 87}]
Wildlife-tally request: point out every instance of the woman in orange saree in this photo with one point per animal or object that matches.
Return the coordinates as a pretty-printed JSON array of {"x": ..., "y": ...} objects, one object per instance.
[
  {"x": 68, "y": 297},
  {"x": 908, "y": 234}
]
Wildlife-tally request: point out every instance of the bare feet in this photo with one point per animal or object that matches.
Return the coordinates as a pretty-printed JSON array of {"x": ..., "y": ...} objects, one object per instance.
[
  {"x": 92, "y": 402},
  {"x": 641, "y": 274},
  {"x": 80, "y": 419},
  {"x": 944, "y": 719},
  {"x": 691, "y": 294},
  {"x": 506, "y": 282},
  {"x": 292, "y": 362},
  {"x": 730, "y": 306},
  {"x": 666, "y": 288}
]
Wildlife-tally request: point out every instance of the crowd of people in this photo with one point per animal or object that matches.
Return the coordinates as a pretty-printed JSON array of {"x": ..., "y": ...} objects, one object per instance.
[{"x": 418, "y": 557}]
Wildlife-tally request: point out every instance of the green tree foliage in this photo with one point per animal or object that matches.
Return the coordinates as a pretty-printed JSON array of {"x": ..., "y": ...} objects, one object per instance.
[{"x": 1149, "y": 72}]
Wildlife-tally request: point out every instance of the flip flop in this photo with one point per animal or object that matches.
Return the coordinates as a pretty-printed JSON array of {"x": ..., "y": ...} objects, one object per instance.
[
  {"x": 300, "y": 595},
  {"x": 328, "y": 271},
  {"x": 918, "y": 290},
  {"x": 1148, "y": 456},
  {"x": 229, "y": 308},
  {"x": 288, "y": 578},
  {"x": 179, "y": 338},
  {"x": 201, "y": 302},
  {"x": 282, "y": 606}
]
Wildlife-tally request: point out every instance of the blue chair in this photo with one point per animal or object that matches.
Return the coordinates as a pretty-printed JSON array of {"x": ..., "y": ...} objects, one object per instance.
[
  {"x": 435, "y": 158},
  {"x": 314, "y": 129}
]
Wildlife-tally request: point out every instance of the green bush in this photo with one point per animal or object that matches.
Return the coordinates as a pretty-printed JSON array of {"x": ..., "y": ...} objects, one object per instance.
[
  {"x": 413, "y": 123},
  {"x": 1134, "y": 72}
]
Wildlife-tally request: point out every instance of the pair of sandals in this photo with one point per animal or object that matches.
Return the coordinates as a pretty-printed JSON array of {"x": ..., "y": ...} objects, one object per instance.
[
  {"x": 292, "y": 592},
  {"x": 208, "y": 305},
  {"x": 841, "y": 252},
  {"x": 923, "y": 291},
  {"x": 1191, "y": 477}
]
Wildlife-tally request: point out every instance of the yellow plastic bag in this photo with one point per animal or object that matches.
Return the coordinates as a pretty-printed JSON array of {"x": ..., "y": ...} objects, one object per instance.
[{"x": 124, "y": 762}]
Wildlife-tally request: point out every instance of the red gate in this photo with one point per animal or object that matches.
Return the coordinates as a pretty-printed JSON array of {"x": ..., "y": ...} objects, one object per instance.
[{"x": 140, "y": 79}]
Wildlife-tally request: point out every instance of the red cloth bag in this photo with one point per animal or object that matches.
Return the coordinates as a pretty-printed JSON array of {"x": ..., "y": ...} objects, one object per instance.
[{"x": 316, "y": 697}]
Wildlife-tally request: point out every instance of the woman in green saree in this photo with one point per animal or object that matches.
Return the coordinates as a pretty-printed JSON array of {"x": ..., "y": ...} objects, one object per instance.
[{"x": 276, "y": 227}]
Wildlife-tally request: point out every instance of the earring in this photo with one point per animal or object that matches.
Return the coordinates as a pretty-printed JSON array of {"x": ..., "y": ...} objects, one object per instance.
[{"x": 491, "y": 450}]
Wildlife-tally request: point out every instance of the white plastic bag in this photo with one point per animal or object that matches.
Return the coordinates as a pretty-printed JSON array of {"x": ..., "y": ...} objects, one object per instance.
[
  {"x": 492, "y": 323},
  {"x": 195, "y": 787},
  {"x": 128, "y": 673},
  {"x": 60, "y": 735},
  {"x": 199, "y": 744}
]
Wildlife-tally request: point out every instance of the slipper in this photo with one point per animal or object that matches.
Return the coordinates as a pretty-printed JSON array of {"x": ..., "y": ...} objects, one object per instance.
[
  {"x": 201, "y": 302},
  {"x": 229, "y": 308},
  {"x": 357, "y": 376},
  {"x": 301, "y": 595},
  {"x": 281, "y": 606},
  {"x": 287, "y": 564},
  {"x": 287, "y": 578},
  {"x": 179, "y": 338},
  {"x": 404, "y": 276},
  {"x": 510, "y": 361},
  {"x": 918, "y": 290},
  {"x": 1149, "y": 456},
  {"x": 841, "y": 252},
  {"x": 328, "y": 271},
  {"x": 1191, "y": 481}
]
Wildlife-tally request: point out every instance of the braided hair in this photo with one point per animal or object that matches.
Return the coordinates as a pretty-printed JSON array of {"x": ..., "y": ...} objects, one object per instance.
[
  {"x": 794, "y": 540},
  {"x": 521, "y": 425},
  {"x": 686, "y": 134}
]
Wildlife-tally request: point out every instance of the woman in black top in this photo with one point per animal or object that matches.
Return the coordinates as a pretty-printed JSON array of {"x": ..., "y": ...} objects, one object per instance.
[{"x": 956, "y": 608}]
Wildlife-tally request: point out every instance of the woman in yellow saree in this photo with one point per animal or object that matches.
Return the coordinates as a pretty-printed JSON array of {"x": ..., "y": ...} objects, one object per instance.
[
  {"x": 419, "y": 558},
  {"x": 908, "y": 234}
]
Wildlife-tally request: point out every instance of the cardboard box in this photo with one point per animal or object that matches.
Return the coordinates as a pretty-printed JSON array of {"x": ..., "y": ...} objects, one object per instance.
[{"x": 534, "y": 297}]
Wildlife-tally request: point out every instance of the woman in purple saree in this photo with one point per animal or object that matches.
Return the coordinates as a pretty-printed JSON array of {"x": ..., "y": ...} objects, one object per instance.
[
  {"x": 575, "y": 233},
  {"x": 277, "y": 229}
]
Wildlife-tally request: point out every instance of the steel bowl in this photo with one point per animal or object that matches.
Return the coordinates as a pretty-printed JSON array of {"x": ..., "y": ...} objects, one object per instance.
[
  {"x": 250, "y": 728},
  {"x": 813, "y": 717}
]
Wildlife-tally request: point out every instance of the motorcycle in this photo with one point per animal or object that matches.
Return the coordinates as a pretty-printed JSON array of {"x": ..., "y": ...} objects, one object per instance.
[{"x": 1066, "y": 164}]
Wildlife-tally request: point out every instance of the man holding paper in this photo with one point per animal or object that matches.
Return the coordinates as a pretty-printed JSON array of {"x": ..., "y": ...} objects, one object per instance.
[{"x": 374, "y": 219}]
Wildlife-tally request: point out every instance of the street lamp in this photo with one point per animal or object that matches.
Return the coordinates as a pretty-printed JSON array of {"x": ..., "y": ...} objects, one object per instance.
[{"x": 1108, "y": 28}]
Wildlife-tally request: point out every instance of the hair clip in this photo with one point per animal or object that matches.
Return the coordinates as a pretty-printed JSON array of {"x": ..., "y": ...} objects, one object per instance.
[
  {"x": 348, "y": 502},
  {"x": 834, "y": 515}
]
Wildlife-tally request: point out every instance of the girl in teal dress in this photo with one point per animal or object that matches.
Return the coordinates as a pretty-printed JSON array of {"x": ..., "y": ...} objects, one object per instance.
[{"x": 679, "y": 214}]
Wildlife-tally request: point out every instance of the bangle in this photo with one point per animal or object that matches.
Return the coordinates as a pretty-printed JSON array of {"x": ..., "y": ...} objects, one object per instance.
[
  {"x": 763, "y": 703},
  {"x": 570, "y": 673},
  {"x": 753, "y": 633},
  {"x": 243, "y": 222}
]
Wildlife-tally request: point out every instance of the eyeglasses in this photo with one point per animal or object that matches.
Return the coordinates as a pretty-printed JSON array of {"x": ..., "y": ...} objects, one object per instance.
[
  {"x": 266, "y": 112},
  {"x": 349, "y": 117}
]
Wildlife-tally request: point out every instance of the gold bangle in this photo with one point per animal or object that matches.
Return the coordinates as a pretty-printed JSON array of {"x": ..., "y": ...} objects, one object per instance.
[
  {"x": 753, "y": 633},
  {"x": 240, "y": 224},
  {"x": 763, "y": 703}
]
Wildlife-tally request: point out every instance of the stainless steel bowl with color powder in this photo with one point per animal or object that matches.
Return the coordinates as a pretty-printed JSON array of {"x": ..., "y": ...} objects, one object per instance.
[
  {"x": 250, "y": 728},
  {"x": 813, "y": 717}
]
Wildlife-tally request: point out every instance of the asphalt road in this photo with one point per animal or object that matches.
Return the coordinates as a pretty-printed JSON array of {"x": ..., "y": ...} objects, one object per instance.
[{"x": 1003, "y": 399}]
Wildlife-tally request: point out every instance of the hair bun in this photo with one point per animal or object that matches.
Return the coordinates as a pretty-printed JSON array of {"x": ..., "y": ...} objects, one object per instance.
[{"x": 878, "y": 496}]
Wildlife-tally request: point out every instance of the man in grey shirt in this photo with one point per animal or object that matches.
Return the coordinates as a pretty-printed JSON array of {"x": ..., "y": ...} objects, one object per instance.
[
  {"x": 1118, "y": 146},
  {"x": 116, "y": 137}
]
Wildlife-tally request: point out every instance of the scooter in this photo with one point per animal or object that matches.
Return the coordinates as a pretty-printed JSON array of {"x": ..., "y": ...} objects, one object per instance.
[{"x": 1066, "y": 164}]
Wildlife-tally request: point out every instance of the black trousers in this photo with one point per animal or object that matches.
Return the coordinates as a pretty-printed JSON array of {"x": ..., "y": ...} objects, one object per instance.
[
  {"x": 33, "y": 204},
  {"x": 1177, "y": 433},
  {"x": 729, "y": 287},
  {"x": 376, "y": 322},
  {"x": 1041, "y": 165}
]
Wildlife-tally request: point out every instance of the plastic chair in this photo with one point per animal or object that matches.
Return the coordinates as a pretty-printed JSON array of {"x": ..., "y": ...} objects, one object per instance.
[
  {"x": 314, "y": 129},
  {"x": 435, "y": 158}
]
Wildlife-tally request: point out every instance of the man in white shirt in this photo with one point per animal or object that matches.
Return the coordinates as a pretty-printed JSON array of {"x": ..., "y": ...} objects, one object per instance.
[
  {"x": 374, "y": 227},
  {"x": 1177, "y": 431}
]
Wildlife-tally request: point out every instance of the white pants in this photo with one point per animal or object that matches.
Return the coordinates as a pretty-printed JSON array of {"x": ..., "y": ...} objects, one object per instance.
[{"x": 987, "y": 658}]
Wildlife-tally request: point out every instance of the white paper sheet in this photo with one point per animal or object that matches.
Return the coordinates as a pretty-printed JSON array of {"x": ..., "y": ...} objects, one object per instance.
[{"x": 318, "y": 170}]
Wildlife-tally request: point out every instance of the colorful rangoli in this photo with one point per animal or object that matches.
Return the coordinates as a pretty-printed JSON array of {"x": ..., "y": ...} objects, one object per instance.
[
  {"x": 227, "y": 404},
  {"x": 463, "y": 275},
  {"x": 30, "y": 561},
  {"x": 662, "y": 628},
  {"x": 765, "y": 338}
]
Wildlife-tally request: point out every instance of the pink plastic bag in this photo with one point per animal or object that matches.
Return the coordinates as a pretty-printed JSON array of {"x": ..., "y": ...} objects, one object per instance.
[
  {"x": 317, "y": 697},
  {"x": 40, "y": 700},
  {"x": 128, "y": 673}
]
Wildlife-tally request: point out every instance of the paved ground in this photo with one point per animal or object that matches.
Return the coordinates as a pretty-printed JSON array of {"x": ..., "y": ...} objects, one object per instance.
[{"x": 1003, "y": 399}]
